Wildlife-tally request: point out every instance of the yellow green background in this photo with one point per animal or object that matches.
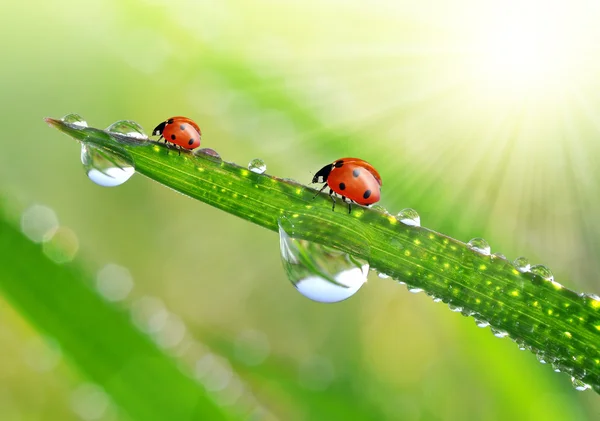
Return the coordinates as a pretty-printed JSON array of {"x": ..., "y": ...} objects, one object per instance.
[{"x": 480, "y": 148}]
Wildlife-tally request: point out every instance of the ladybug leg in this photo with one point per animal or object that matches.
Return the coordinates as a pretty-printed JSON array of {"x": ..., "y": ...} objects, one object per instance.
[
  {"x": 331, "y": 193},
  {"x": 322, "y": 188},
  {"x": 349, "y": 202}
]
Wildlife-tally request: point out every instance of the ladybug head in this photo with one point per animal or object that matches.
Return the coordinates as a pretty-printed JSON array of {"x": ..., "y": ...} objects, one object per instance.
[
  {"x": 324, "y": 173},
  {"x": 158, "y": 130}
]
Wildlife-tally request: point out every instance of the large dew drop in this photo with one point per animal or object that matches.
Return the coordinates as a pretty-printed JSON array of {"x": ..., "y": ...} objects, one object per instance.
[
  {"x": 257, "y": 165},
  {"x": 542, "y": 271},
  {"x": 105, "y": 168},
  {"x": 128, "y": 131},
  {"x": 522, "y": 264},
  {"x": 74, "y": 120},
  {"x": 410, "y": 217},
  {"x": 208, "y": 153},
  {"x": 480, "y": 246},
  {"x": 319, "y": 272}
]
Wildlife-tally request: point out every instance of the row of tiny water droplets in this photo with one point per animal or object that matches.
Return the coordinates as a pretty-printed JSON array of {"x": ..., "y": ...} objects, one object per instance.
[{"x": 319, "y": 272}]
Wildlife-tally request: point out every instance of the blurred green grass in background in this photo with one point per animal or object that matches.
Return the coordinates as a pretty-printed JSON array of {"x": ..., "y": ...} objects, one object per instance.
[{"x": 509, "y": 156}]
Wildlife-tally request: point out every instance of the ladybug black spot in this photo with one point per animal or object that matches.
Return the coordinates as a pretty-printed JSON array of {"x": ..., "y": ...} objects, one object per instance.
[
  {"x": 338, "y": 164},
  {"x": 342, "y": 186},
  {"x": 356, "y": 173},
  {"x": 367, "y": 194},
  {"x": 191, "y": 142},
  {"x": 173, "y": 137},
  {"x": 182, "y": 127}
]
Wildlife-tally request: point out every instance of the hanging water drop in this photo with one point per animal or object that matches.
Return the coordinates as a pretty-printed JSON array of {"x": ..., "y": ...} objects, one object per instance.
[
  {"x": 413, "y": 290},
  {"x": 455, "y": 308},
  {"x": 257, "y": 165},
  {"x": 383, "y": 275},
  {"x": 481, "y": 323},
  {"x": 127, "y": 131},
  {"x": 542, "y": 271},
  {"x": 319, "y": 272},
  {"x": 208, "y": 153},
  {"x": 74, "y": 120},
  {"x": 579, "y": 385},
  {"x": 522, "y": 264},
  {"x": 105, "y": 168},
  {"x": 409, "y": 217},
  {"x": 498, "y": 333},
  {"x": 480, "y": 246}
]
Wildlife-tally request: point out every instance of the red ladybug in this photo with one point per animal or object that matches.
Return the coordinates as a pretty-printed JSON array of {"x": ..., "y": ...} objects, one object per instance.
[
  {"x": 181, "y": 131},
  {"x": 351, "y": 178}
]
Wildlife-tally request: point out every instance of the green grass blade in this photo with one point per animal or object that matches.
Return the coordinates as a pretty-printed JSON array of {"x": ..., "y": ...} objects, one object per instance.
[
  {"x": 101, "y": 340},
  {"x": 559, "y": 325}
]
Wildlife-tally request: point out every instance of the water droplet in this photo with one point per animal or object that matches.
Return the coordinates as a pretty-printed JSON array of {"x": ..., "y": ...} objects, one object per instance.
[
  {"x": 89, "y": 401},
  {"x": 454, "y": 308},
  {"x": 104, "y": 168},
  {"x": 410, "y": 217},
  {"x": 437, "y": 299},
  {"x": 413, "y": 290},
  {"x": 498, "y": 256},
  {"x": 579, "y": 385},
  {"x": 208, "y": 153},
  {"x": 498, "y": 333},
  {"x": 257, "y": 165},
  {"x": 114, "y": 282},
  {"x": 379, "y": 208},
  {"x": 74, "y": 120},
  {"x": 480, "y": 246},
  {"x": 62, "y": 246},
  {"x": 542, "y": 271},
  {"x": 127, "y": 128},
  {"x": 383, "y": 275},
  {"x": 541, "y": 357},
  {"x": 522, "y": 264},
  {"x": 319, "y": 272},
  {"x": 481, "y": 323},
  {"x": 39, "y": 223}
]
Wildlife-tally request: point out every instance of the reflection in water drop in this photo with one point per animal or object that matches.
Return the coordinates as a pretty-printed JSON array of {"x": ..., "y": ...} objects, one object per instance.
[
  {"x": 89, "y": 401},
  {"x": 39, "y": 223},
  {"x": 208, "y": 153},
  {"x": 252, "y": 347},
  {"x": 114, "y": 282},
  {"x": 579, "y": 385},
  {"x": 127, "y": 128},
  {"x": 410, "y": 217},
  {"x": 522, "y": 264},
  {"x": 62, "y": 246},
  {"x": 319, "y": 272},
  {"x": 74, "y": 120},
  {"x": 257, "y": 165},
  {"x": 480, "y": 246},
  {"x": 104, "y": 168},
  {"x": 42, "y": 353},
  {"x": 542, "y": 271}
]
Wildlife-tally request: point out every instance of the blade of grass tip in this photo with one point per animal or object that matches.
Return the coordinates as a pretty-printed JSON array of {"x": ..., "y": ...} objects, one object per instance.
[{"x": 98, "y": 338}]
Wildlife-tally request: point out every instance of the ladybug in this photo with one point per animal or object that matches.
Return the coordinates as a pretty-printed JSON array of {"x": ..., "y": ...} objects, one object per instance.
[
  {"x": 181, "y": 131},
  {"x": 353, "y": 179}
]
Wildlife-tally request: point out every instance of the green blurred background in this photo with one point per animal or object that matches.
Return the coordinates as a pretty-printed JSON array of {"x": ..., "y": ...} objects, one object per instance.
[{"x": 482, "y": 116}]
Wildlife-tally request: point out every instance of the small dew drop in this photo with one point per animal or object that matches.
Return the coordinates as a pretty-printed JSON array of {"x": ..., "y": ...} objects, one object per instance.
[
  {"x": 104, "y": 168},
  {"x": 38, "y": 223},
  {"x": 127, "y": 128},
  {"x": 522, "y": 264},
  {"x": 579, "y": 385},
  {"x": 542, "y": 271},
  {"x": 208, "y": 153},
  {"x": 541, "y": 357},
  {"x": 498, "y": 333},
  {"x": 413, "y": 290},
  {"x": 379, "y": 208},
  {"x": 74, "y": 120},
  {"x": 480, "y": 246},
  {"x": 257, "y": 165},
  {"x": 319, "y": 272},
  {"x": 454, "y": 308},
  {"x": 437, "y": 300},
  {"x": 481, "y": 323},
  {"x": 383, "y": 275},
  {"x": 409, "y": 217}
]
